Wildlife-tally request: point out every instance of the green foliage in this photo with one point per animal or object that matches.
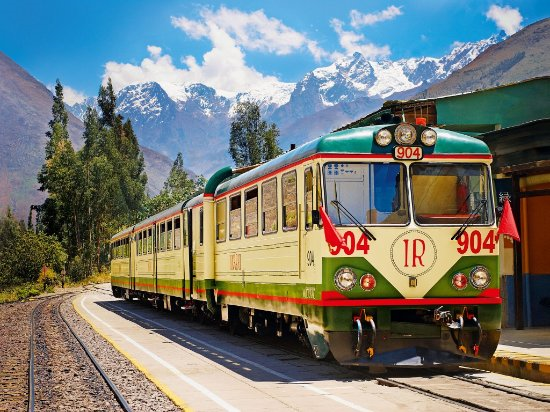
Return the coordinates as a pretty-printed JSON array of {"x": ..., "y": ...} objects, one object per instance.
[
  {"x": 177, "y": 188},
  {"x": 252, "y": 140},
  {"x": 93, "y": 192},
  {"x": 23, "y": 253}
]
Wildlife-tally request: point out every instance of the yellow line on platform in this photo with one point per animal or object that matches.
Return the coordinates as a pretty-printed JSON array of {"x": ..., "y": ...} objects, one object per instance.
[{"x": 173, "y": 397}]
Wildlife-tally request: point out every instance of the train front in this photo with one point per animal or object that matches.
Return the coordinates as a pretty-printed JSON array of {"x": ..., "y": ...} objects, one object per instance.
[{"x": 415, "y": 281}]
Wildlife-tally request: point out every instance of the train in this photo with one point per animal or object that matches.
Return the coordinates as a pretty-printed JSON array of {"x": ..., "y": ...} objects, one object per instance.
[{"x": 374, "y": 245}]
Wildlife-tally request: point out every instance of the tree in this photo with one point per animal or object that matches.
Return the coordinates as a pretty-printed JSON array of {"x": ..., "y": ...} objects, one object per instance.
[
  {"x": 59, "y": 176},
  {"x": 178, "y": 187},
  {"x": 92, "y": 193},
  {"x": 178, "y": 183},
  {"x": 251, "y": 139},
  {"x": 106, "y": 101}
]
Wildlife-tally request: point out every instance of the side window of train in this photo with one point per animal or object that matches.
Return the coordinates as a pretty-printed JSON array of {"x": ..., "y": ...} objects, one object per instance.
[
  {"x": 221, "y": 211},
  {"x": 184, "y": 223},
  {"x": 149, "y": 240},
  {"x": 139, "y": 241},
  {"x": 162, "y": 236},
  {"x": 269, "y": 206},
  {"x": 177, "y": 233},
  {"x": 169, "y": 233},
  {"x": 251, "y": 212},
  {"x": 201, "y": 227},
  {"x": 235, "y": 217},
  {"x": 290, "y": 203},
  {"x": 308, "y": 198}
]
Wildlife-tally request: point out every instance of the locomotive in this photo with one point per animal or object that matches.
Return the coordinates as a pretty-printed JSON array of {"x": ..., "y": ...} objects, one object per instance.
[{"x": 376, "y": 245}]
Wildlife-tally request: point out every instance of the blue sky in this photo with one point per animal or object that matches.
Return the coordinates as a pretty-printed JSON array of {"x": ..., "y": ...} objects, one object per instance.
[{"x": 232, "y": 45}]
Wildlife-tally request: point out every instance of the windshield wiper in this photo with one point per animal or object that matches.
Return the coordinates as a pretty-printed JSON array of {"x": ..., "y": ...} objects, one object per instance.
[
  {"x": 469, "y": 220},
  {"x": 347, "y": 213}
]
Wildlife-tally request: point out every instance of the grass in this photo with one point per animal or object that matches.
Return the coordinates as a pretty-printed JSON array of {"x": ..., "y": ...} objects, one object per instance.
[{"x": 28, "y": 290}]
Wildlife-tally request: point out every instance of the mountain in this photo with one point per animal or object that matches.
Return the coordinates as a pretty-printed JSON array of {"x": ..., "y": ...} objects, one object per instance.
[
  {"x": 25, "y": 110},
  {"x": 195, "y": 118},
  {"x": 524, "y": 55}
]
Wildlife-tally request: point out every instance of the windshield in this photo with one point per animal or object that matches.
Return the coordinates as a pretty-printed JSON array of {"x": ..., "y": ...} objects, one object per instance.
[
  {"x": 451, "y": 193},
  {"x": 374, "y": 193}
]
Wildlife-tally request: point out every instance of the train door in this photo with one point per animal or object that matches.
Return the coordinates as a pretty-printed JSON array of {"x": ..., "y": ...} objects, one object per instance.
[
  {"x": 190, "y": 251},
  {"x": 186, "y": 225},
  {"x": 133, "y": 260},
  {"x": 156, "y": 228}
]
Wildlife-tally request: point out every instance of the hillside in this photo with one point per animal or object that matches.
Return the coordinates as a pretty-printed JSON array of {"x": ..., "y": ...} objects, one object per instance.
[
  {"x": 524, "y": 55},
  {"x": 25, "y": 110}
]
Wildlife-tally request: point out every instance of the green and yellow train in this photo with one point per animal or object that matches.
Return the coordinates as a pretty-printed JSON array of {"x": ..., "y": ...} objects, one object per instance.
[{"x": 376, "y": 244}]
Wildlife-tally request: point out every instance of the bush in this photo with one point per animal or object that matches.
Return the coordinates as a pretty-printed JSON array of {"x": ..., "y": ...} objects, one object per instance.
[{"x": 23, "y": 253}]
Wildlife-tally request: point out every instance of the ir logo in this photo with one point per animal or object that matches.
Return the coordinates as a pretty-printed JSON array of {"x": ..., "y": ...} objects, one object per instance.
[{"x": 413, "y": 253}]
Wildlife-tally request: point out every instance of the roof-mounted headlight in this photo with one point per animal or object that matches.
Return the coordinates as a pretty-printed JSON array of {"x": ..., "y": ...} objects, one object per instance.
[
  {"x": 383, "y": 137},
  {"x": 428, "y": 137},
  {"x": 405, "y": 134}
]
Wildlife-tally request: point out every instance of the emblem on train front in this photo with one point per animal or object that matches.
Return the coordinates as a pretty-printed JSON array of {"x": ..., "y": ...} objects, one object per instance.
[{"x": 413, "y": 253}]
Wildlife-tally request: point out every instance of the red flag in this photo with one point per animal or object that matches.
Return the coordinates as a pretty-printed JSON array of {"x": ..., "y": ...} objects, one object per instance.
[
  {"x": 507, "y": 224},
  {"x": 332, "y": 236}
]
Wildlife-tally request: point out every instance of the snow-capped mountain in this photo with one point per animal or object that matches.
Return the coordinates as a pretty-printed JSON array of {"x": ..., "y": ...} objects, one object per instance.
[{"x": 195, "y": 118}]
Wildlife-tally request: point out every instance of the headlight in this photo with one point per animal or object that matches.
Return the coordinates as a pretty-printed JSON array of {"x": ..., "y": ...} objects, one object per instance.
[
  {"x": 428, "y": 137},
  {"x": 368, "y": 282},
  {"x": 480, "y": 277},
  {"x": 460, "y": 281},
  {"x": 383, "y": 137},
  {"x": 345, "y": 279},
  {"x": 405, "y": 134}
]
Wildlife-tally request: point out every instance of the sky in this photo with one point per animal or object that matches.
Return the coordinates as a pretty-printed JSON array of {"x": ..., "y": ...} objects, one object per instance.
[{"x": 235, "y": 46}]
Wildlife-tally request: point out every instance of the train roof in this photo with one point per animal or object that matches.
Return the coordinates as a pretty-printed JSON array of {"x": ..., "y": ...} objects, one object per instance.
[{"x": 352, "y": 141}]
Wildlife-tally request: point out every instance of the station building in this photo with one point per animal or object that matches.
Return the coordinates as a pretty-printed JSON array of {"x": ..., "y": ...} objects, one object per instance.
[{"x": 514, "y": 121}]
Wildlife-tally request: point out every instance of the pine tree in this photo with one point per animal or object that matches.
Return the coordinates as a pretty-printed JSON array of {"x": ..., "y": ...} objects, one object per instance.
[
  {"x": 106, "y": 101},
  {"x": 178, "y": 183},
  {"x": 59, "y": 176},
  {"x": 177, "y": 188},
  {"x": 251, "y": 139}
]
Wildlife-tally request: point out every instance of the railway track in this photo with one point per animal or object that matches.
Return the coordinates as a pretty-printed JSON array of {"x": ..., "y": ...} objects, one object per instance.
[
  {"x": 60, "y": 355},
  {"x": 466, "y": 391}
]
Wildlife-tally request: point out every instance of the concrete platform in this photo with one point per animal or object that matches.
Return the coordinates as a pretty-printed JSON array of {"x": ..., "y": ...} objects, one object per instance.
[{"x": 522, "y": 353}]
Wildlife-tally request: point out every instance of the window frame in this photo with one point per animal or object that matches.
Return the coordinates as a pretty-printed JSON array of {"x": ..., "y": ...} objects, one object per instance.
[
  {"x": 221, "y": 203},
  {"x": 251, "y": 189},
  {"x": 270, "y": 181},
  {"x": 283, "y": 209},
  {"x": 240, "y": 209}
]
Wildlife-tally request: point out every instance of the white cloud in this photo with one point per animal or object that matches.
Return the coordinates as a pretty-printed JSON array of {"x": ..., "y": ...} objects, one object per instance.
[
  {"x": 353, "y": 42},
  {"x": 70, "y": 95},
  {"x": 231, "y": 32},
  {"x": 251, "y": 31},
  {"x": 506, "y": 18},
  {"x": 359, "y": 19}
]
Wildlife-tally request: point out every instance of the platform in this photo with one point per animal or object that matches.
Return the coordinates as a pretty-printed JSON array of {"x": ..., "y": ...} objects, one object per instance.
[{"x": 523, "y": 354}]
